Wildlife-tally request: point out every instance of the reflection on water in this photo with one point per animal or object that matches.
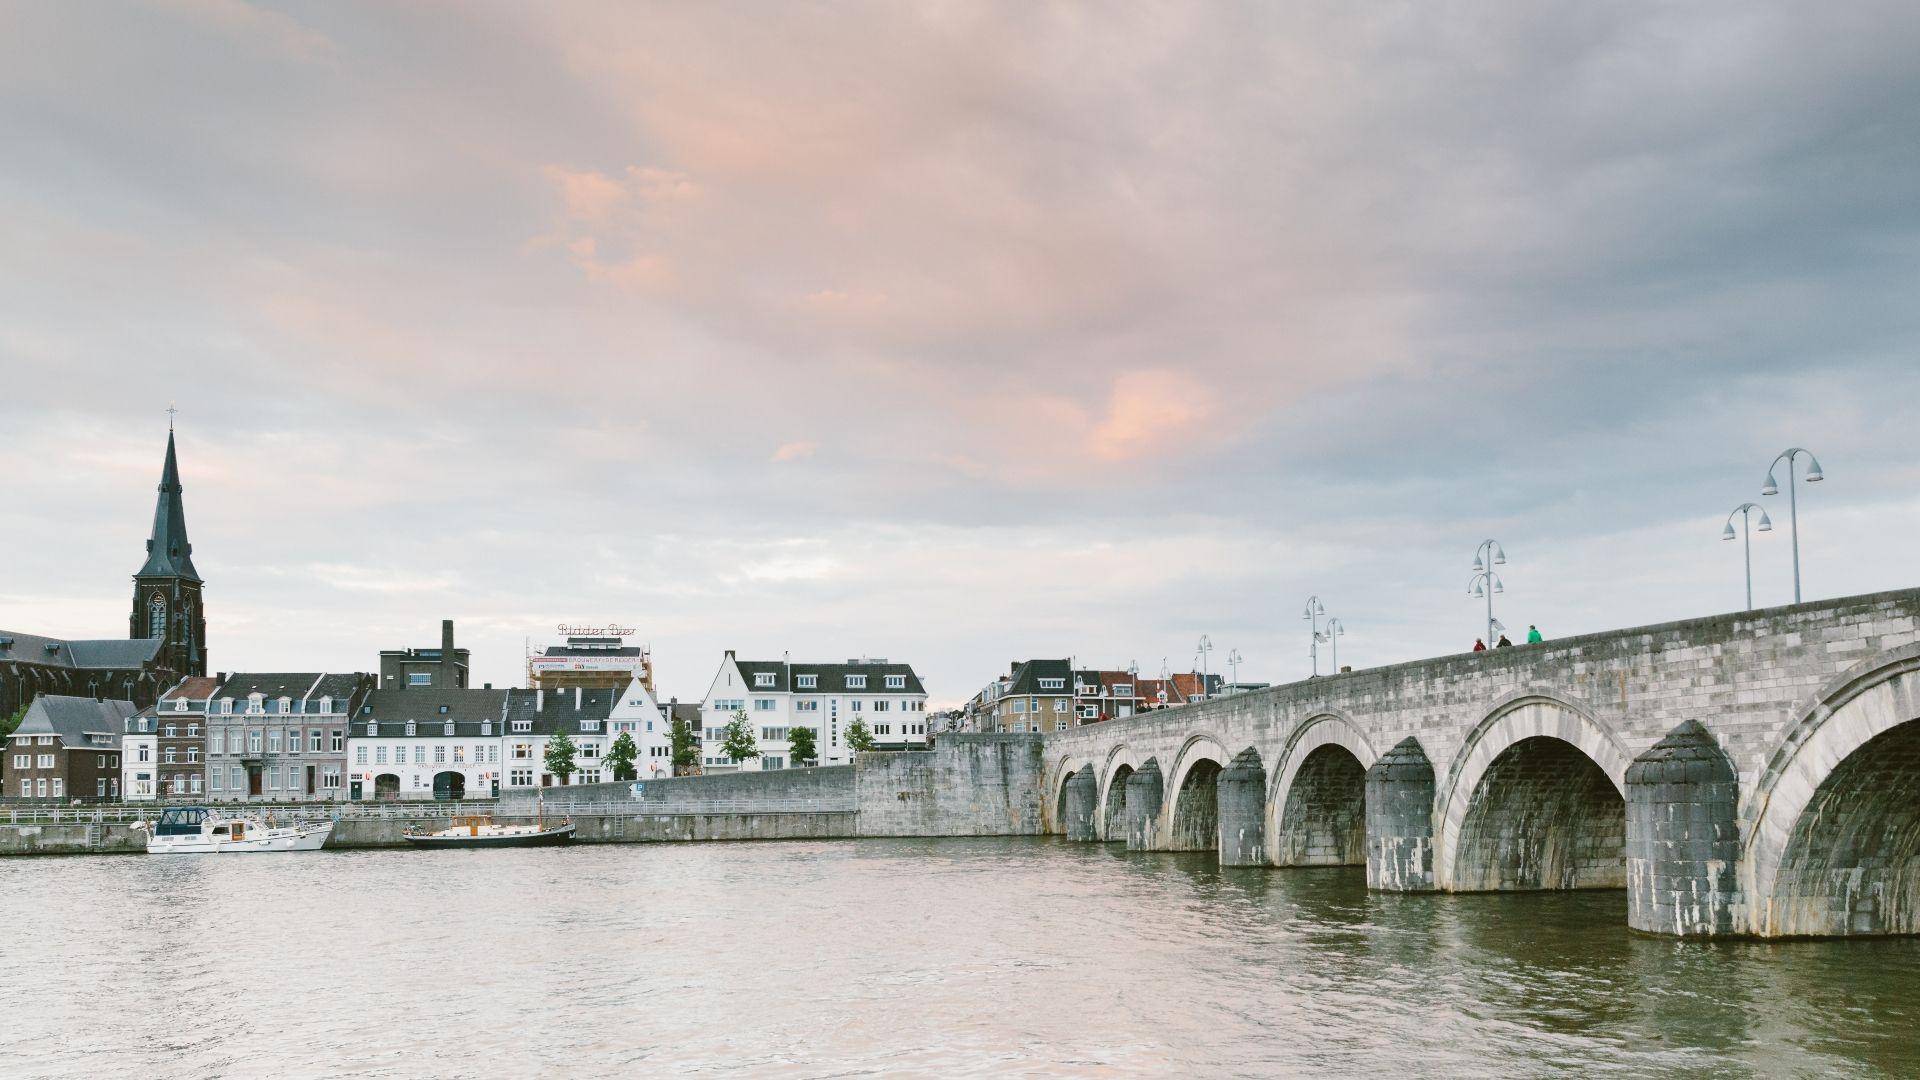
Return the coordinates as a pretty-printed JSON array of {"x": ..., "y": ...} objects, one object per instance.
[{"x": 947, "y": 957}]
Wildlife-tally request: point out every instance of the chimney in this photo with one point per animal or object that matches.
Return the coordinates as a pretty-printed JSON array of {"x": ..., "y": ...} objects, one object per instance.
[
  {"x": 448, "y": 670},
  {"x": 539, "y": 701},
  {"x": 489, "y": 686},
  {"x": 576, "y": 699}
]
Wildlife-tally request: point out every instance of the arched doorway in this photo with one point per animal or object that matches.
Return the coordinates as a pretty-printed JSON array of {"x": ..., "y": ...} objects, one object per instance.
[
  {"x": 386, "y": 786},
  {"x": 1324, "y": 820},
  {"x": 449, "y": 785},
  {"x": 1196, "y": 809},
  {"x": 1544, "y": 815}
]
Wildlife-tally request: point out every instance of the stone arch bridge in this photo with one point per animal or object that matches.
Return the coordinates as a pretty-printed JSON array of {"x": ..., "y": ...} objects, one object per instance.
[{"x": 1753, "y": 774}]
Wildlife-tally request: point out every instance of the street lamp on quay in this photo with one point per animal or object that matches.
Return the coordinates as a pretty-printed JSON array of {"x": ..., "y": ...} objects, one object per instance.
[
  {"x": 1233, "y": 664},
  {"x": 1312, "y": 615},
  {"x": 1205, "y": 647},
  {"x": 1766, "y": 525},
  {"x": 1485, "y": 582},
  {"x": 1334, "y": 631},
  {"x": 1772, "y": 487}
]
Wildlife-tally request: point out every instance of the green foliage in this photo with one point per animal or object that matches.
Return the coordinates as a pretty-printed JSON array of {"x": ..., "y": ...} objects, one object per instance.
[
  {"x": 686, "y": 747},
  {"x": 9, "y": 723},
  {"x": 739, "y": 743},
  {"x": 620, "y": 757},
  {"x": 560, "y": 753},
  {"x": 801, "y": 746},
  {"x": 858, "y": 737}
]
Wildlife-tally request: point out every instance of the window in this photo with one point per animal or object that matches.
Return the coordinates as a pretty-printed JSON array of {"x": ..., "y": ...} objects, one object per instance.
[
  {"x": 253, "y": 740},
  {"x": 216, "y": 776},
  {"x": 589, "y": 725},
  {"x": 59, "y": 787},
  {"x": 763, "y": 704},
  {"x": 774, "y": 734},
  {"x": 293, "y": 741},
  {"x": 443, "y": 710},
  {"x": 806, "y": 682},
  {"x": 882, "y": 705},
  {"x": 326, "y": 706},
  {"x": 762, "y": 679},
  {"x": 520, "y": 778},
  {"x": 589, "y": 749},
  {"x": 1053, "y": 684},
  {"x": 273, "y": 776},
  {"x": 195, "y": 780},
  {"x": 359, "y": 755},
  {"x": 856, "y": 705},
  {"x": 806, "y": 706},
  {"x": 100, "y": 788},
  {"x": 448, "y": 729},
  {"x": 25, "y": 761},
  {"x": 26, "y": 789},
  {"x": 273, "y": 741},
  {"x": 286, "y": 706},
  {"x": 253, "y": 703},
  {"x": 193, "y": 755},
  {"x": 45, "y": 740},
  {"x": 170, "y": 731},
  {"x": 373, "y": 728},
  {"x": 41, "y": 788},
  {"x": 193, "y": 731},
  {"x": 440, "y": 754},
  {"x": 856, "y": 682},
  {"x": 46, "y": 761},
  {"x": 460, "y": 754},
  {"x": 522, "y": 751},
  {"x": 493, "y": 755},
  {"x": 330, "y": 778},
  {"x": 226, "y": 705},
  {"x": 521, "y": 727},
  {"x": 1123, "y": 690},
  {"x": 180, "y": 705},
  {"x": 237, "y": 779},
  {"x": 379, "y": 755},
  {"x": 899, "y": 682},
  {"x": 486, "y": 727},
  {"x": 1059, "y": 705},
  {"x": 337, "y": 740},
  {"x": 420, "y": 678},
  {"x": 1019, "y": 705},
  {"x": 769, "y": 764},
  {"x": 411, "y": 728},
  {"x": 313, "y": 740},
  {"x": 419, "y": 755}
]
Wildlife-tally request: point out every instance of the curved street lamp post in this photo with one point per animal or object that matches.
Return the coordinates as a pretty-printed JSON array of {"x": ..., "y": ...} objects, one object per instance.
[
  {"x": 1313, "y": 613},
  {"x": 1766, "y": 525},
  {"x": 1772, "y": 487},
  {"x": 1331, "y": 635},
  {"x": 1484, "y": 581}
]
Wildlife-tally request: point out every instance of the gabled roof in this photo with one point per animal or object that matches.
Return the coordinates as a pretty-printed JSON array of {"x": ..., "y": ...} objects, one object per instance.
[
  {"x": 74, "y": 719},
  {"x": 829, "y": 678},
  {"x": 465, "y": 709},
  {"x": 168, "y": 552},
  {"x": 193, "y": 688},
  {"x": 98, "y": 654},
  {"x": 298, "y": 685}
]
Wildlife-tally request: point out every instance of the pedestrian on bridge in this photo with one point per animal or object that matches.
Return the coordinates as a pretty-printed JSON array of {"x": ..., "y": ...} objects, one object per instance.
[
  {"x": 1533, "y": 634},
  {"x": 1479, "y": 645},
  {"x": 1503, "y": 643}
]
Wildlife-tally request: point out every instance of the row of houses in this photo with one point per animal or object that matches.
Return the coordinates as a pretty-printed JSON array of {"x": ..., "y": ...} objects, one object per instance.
[
  {"x": 1052, "y": 695},
  {"x": 419, "y": 732}
]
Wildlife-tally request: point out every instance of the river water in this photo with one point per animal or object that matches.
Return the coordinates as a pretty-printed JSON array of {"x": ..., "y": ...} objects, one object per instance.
[{"x": 934, "y": 958}]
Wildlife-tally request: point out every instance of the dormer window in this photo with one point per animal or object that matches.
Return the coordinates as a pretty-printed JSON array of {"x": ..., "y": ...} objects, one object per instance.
[
  {"x": 806, "y": 682},
  {"x": 899, "y": 682},
  {"x": 180, "y": 705},
  {"x": 286, "y": 706},
  {"x": 521, "y": 727},
  {"x": 410, "y": 728},
  {"x": 856, "y": 682},
  {"x": 762, "y": 678},
  {"x": 449, "y": 729},
  {"x": 373, "y": 727},
  {"x": 254, "y": 704},
  {"x": 1123, "y": 690},
  {"x": 443, "y": 710},
  {"x": 589, "y": 725},
  {"x": 226, "y": 705},
  {"x": 326, "y": 704},
  {"x": 486, "y": 727}
]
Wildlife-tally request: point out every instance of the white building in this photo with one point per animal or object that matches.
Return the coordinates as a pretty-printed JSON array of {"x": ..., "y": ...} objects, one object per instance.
[
  {"x": 139, "y": 757},
  {"x": 426, "y": 743},
  {"x": 778, "y": 696},
  {"x": 650, "y": 725},
  {"x": 534, "y": 717}
]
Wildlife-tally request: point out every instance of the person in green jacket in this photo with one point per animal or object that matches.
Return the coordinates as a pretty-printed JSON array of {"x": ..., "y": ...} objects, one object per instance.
[{"x": 1533, "y": 634}]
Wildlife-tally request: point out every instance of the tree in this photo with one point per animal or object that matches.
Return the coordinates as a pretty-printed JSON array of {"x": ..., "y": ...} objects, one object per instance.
[
  {"x": 801, "y": 745},
  {"x": 9, "y": 723},
  {"x": 560, "y": 751},
  {"x": 738, "y": 742},
  {"x": 620, "y": 757},
  {"x": 686, "y": 747},
  {"x": 858, "y": 737}
]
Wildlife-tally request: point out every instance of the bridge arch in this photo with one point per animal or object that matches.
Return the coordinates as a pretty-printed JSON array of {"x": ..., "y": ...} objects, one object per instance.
[
  {"x": 1535, "y": 799},
  {"x": 1192, "y": 814},
  {"x": 1054, "y": 819},
  {"x": 1316, "y": 808},
  {"x": 1111, "y": 813},
  {"x": 1835, "y": 841}
]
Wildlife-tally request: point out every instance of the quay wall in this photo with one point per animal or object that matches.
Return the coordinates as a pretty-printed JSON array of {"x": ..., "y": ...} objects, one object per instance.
[
  {"x": 827, "y": 783},
  {"x": 967, "y": 785},
  {"x": 74, "y": 839}
]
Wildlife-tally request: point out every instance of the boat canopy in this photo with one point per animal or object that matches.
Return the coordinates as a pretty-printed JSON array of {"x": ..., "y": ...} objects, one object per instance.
[{"x": 181, "y": 821}]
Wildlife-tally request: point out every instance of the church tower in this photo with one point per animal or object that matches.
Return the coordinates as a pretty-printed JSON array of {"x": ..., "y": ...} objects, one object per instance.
[{"x": 166, "y": 591}]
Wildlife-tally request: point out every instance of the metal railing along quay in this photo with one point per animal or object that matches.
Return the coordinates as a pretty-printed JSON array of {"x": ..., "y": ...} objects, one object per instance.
[{"x": 125, "y": 814}]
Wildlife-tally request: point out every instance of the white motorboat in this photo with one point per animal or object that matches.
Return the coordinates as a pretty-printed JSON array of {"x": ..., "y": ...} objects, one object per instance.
[{"x": 196, "y": 830}]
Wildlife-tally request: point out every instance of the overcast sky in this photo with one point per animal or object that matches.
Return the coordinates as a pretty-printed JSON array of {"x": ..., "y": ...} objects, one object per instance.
[{"x": 951, "y": 333}]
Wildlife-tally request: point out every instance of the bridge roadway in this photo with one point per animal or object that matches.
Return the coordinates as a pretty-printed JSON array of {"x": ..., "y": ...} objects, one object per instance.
[{"x": 1754, "y": 774}]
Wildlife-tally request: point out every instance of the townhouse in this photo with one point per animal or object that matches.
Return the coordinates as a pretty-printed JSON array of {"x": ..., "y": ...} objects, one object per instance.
[
  {"x": 67, "y": 749},
  {"x": 780, "y": 695},
  {"x": 279, "y": 737}
]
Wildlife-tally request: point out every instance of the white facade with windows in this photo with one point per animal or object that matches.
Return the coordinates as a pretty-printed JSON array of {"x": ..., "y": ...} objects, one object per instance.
[
  {"x": 139, "y": 767},
  {"x": 639, "y": 716},
  {"x": 778, "y": 696}
]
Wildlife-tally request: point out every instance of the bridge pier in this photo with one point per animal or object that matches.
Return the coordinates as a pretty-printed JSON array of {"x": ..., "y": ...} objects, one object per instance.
[
  {"x": 1682, "y": 840},
  {"x": 1145, "y": 793},
  {"x": 1082, "y": 798},
  {"x": 1400, "y": 797},
  {"x": 1242, "y": 793}
]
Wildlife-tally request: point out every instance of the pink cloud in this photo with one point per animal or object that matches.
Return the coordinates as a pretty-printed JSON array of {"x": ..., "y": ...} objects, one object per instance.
[{"x": 794, "y": 451}]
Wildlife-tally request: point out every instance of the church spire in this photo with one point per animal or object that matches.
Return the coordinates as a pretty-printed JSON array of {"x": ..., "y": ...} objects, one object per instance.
[{"x": 168, "y": 552}]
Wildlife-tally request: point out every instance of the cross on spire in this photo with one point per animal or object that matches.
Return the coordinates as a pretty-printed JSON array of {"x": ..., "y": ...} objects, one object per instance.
[{"x": 170, "y": 411}]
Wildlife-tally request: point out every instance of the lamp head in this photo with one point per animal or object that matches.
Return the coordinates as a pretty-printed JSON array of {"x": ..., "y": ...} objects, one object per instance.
[
  {"x": 1478, "y": 590},
  {"x": 1477, "y": 565},
  {"x": 1814, "y": 475},
  {"x": 1499, "y": 588},
  {"x": 1766, "y": 523},
  {"x": 1772, "y": 486},
  {"x": 1727, "y": 533}
]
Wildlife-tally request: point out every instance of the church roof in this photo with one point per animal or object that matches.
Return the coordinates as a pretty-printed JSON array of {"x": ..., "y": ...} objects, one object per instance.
[
  {"x": 109, "y": 654},
  {"x": 168, "y": 552}
]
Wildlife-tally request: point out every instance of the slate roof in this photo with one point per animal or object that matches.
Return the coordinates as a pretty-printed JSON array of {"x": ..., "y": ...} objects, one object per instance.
[
  {"x": 1027, "y": 676},
  {"x": 103, "y": 654},
  {"x": 831, "y": 678},
  {"x": 73, "y": 719},
  {"x": 193, "y": 688},
  {"x": 168, "y": 552},
  {"x": 556, "y": 711}
]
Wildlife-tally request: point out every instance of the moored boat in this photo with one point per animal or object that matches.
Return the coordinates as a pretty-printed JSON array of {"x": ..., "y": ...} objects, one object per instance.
[
  {"x": 196, "y": 830},
  {"x": 482, "y": 832}
]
